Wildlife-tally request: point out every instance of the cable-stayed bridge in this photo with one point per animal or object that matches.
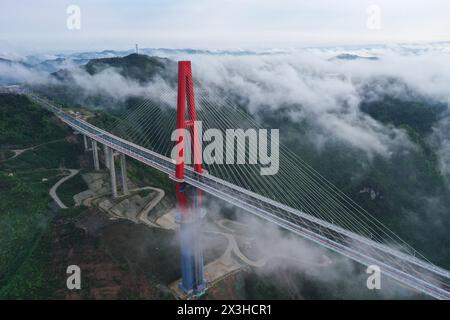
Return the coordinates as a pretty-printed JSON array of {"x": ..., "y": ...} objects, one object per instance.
[{"x": 297, "y": 198}]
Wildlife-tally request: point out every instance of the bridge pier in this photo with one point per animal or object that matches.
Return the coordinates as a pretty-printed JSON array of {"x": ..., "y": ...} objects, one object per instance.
[
  {"x": 86, "y": 148},
  {"x": 189, "y": 218},
  {"x": 95, "y": 155},
  {"x": 106, "y": 150},
  {"x": 123, "y": 171},
  {"x": 112, "y": 172},
  {"x": 110, "y": 164}
]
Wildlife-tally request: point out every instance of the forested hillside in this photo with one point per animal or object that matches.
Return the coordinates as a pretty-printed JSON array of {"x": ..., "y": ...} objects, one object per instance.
[
  {"x": 25, "y": 180},
  {"x": 22, "y": 123}
]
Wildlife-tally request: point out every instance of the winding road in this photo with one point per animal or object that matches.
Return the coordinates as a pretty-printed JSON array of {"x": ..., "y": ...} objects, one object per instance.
[
  {"x": 52, "y": 191},
  {"x": 143, "y": 215}
]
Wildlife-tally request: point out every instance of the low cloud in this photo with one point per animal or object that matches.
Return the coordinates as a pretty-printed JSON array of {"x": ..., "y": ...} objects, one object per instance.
[
  {"x": 14, "y": 73},
  {"x": 290, "y": 256},
  {"x": 327, "y": 92},
  {"x": 441, "y": 140},
  {"x": 111, "y": 83}
]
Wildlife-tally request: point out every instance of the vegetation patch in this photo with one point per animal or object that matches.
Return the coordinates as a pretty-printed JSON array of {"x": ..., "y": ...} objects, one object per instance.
[
  {"x": 23, "y": 123},
  {"x": 68, "y": 189}
]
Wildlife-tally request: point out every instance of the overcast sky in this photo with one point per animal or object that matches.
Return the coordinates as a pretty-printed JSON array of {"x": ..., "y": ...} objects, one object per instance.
[{"x": 112, "y": 24}]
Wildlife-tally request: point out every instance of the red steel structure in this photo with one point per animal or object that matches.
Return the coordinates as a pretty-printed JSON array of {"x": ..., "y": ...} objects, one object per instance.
[{"x": 186, "y": 94}]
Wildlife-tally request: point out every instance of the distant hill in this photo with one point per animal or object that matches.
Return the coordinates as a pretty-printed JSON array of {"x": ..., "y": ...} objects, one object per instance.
[
  {"x": 10, "y": 62},
  {"x": 348, "y": 56},
  {"x": 71, "y": 86},
  {"x": 418, "y": 115},
  {"x": 53, "y": 65},
  {"x": 12, "y": 71},
  {"x": 138, "y": 67}
]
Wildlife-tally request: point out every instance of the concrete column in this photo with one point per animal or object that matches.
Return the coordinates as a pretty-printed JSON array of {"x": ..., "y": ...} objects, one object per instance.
[
  {"x": 107, "y": 151},
  {"x": 112, "y": 171},
  {"x": 95, "y": 154},
  {"x": 123, "y": 170},
  {"x": 192, "y": 273},
  {"x": 85, "y": 143}
]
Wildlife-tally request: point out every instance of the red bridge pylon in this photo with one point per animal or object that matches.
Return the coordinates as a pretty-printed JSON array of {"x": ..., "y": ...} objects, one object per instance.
[{"x": 187, "y": 120}]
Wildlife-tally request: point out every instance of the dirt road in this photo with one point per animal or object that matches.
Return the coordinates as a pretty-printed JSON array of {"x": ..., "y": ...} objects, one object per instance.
[{"x": 52, "y": 191}]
